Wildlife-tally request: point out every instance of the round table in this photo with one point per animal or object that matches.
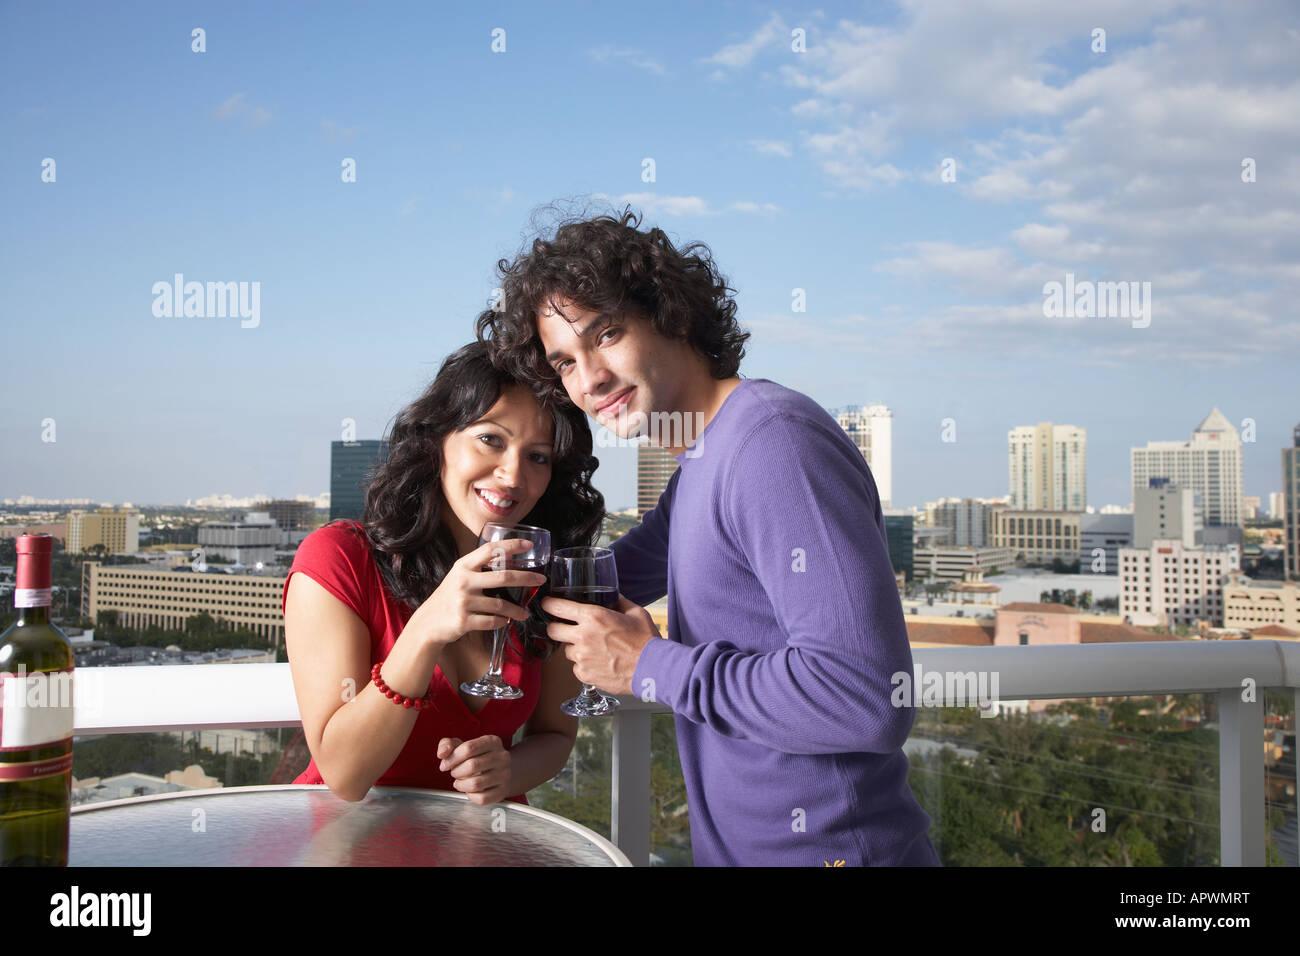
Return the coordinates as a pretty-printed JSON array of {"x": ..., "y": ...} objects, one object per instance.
[{"x": 302, "y": 825}]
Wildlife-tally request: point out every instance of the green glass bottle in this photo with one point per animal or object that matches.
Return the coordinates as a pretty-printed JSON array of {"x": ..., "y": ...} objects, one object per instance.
[{"x": 35, "y": 720}]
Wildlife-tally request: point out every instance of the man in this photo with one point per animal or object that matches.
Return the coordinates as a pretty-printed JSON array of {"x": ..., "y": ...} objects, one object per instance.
[{"x": 769, "y": 542}]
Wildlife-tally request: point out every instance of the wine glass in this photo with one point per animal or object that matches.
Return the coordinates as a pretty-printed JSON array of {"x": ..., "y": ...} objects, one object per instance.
[
  {"x": 588, "y": 576},
  {"x": 492, "y": 684}
]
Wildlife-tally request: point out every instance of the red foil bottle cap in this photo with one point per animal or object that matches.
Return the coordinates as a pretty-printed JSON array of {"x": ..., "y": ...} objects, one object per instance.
[
  {"x": 33, "y": 565},
  {"x": 35, "y": 544}
]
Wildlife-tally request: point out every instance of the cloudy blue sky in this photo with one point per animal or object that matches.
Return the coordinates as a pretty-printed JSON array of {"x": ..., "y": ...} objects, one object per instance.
[{"x": 818, "y": 169}]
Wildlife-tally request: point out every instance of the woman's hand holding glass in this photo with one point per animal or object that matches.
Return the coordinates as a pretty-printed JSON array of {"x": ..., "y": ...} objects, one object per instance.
[{"x": 459, "y": 604}]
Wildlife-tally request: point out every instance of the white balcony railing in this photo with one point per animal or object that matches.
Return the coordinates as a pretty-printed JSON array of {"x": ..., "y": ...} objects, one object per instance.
[{"x": 140, "y": 699}]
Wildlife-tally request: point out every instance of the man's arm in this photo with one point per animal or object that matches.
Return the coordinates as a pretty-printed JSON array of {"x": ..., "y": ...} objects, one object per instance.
[
  {"x": 642, "y": 554},
  {"x": 808, "y": 519}
]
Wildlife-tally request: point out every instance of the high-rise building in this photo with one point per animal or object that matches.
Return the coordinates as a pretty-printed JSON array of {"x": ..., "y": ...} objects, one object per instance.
[
  {"x": 1277, "y": 503},
  {"x": 654, "y": 466},
  {"x": 1048, "y": 467},
  {"x": 1291, "y": 505},
  {"x": 351, "y": 465},
  {"x": 898, "y": 537},
  {"x": 1210, "y": 463},
  {"x": 1250, "y": 507},
  {"x": 872, "y": 429},
  {"x": 117, "y": 530},
  {"x": 968, "y": 520},
  {"x": 1164, "y": 510}
]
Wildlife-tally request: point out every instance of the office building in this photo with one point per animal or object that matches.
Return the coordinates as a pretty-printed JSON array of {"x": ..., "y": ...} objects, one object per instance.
[
  {"x": 654, "y": 466},
  {"x": 351, "y": 465},
  {"x": 963, "y": 522},
  {"x": 250, "y": 542},
  {"x": 1277, "y": 504},
  {"x": 1048, "y": 467},
  {"x": 1168, "y": 583},
  {"x": 145, "y": 596},
  {"x": 898, "y": 536},
  {"x": 1100, "y": 538},
  {"x": 290, "y": 515},
  {"x": 1291, "y": 506},
  {"x": 1039, "y": 536},
  {"x": 118, "y": 530},
  {"x": 1210, "y": 464},
  {"x": 1165, "y": 510},
  {"x": 1251, "y": 604},
  {"x": 872, "y": 429},
  {"x": 951, "y": 564}
]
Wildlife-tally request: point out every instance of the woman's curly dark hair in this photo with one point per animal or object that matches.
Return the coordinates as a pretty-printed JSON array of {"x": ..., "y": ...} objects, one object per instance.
[
  {"x": 403, "y": 516},
  {"x": 607, "y": 264}
]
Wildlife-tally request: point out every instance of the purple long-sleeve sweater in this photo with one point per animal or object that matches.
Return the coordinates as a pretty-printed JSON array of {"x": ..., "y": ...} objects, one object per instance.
[{"x": 786, "y": 629}]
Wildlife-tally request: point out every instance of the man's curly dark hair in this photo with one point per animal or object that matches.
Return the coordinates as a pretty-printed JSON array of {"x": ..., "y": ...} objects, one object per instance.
[{"x": 608, "y": 265}]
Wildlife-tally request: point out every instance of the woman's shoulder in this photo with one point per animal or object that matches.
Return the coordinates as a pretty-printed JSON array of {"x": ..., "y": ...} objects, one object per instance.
[
  {"x": 342, "y": 535},
  {"x": 338, "y": 557}
]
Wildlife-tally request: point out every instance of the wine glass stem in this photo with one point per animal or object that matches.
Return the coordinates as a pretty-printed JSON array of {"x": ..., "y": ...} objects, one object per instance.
[
  {"x": 588, "y": 691},
  {"x": 498, "y": 652}
]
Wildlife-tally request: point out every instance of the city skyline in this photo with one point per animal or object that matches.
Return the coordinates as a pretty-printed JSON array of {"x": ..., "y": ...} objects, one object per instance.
[
  {"x": 948, "y": 210},
  {"x": 322, "y": 498}
]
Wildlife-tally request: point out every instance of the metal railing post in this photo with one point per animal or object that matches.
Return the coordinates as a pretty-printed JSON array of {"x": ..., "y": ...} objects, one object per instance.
[
  {"x": 630, "y": 810},
  {"x": 1241, "y": 779}
]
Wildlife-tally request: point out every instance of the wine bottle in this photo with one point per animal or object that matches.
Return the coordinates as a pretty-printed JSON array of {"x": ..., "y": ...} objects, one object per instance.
[{"x": 35, "y": 720}]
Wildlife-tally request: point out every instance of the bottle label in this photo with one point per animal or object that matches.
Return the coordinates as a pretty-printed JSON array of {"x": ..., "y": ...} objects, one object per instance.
[
  {"x": 35, "y": 709},
  {"x": 35, "y": 769},
  {"x": 32, "y": 597}
]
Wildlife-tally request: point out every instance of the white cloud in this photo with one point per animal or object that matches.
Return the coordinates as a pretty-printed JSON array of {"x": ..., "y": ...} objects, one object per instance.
[
  {"x": 231, "y": 107},
  {"x": 657, "y": 204},
  {"x": 634, "y": 58},
  {"x": 1127, "y": 163},
  {"x": 334, "y": 133},
  {"x": 737, "y": 55},
  {"x": 237, "y": 105},
  {"x": 771, "y": 147}
]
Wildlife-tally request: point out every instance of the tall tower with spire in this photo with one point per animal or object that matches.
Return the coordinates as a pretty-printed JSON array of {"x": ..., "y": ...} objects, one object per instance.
[{"x": 1210, "y": 463}]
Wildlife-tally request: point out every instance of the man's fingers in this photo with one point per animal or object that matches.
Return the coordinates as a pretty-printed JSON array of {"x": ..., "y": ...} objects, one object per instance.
[
  {"x": 566, "y": 609},
  {"x": 624, "y": 605},
  {"x": 564, "y": 633}
]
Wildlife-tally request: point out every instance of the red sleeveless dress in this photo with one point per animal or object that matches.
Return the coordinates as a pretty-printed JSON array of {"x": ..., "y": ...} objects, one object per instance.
[{"x": 340, "y": 561}]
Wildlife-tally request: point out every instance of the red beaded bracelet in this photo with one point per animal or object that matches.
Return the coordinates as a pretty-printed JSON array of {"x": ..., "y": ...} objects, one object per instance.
[{"x": 419, "y": 703}]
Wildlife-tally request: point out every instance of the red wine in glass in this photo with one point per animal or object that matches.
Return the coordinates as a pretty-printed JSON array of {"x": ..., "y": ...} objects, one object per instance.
[
  {"x": 604, "y": 596},
  {"x": 492, "y": 685},
  {"x": 588, "y": 576},
  {"x": 520, "y": 596}
]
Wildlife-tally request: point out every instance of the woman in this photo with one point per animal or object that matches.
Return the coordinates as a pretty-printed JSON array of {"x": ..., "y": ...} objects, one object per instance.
[{"x": 404, "y": 589}]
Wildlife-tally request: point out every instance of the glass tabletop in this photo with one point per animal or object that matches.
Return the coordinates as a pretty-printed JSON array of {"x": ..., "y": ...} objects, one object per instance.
[{"x": 297, "y": 825}]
